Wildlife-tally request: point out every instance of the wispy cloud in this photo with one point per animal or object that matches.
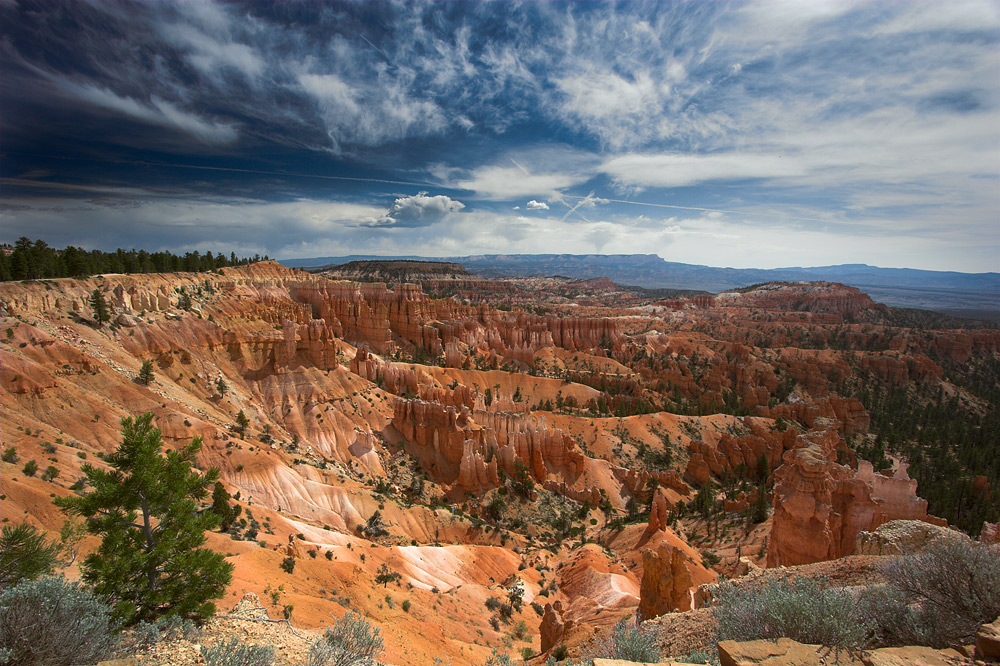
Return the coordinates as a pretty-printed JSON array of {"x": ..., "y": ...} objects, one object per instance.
[{"x": 801, "y": 120}]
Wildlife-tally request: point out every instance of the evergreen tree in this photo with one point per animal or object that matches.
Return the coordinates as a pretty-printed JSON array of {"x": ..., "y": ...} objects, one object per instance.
[
  {"x": 146, "y": 511},
  {"x": 220, "y": 506},
  {"x": 25, "y": 554},
  {"x": 99, "y": 305},
  {"x": 241, "y": 423},
  {"x": 146, "y": 372}
]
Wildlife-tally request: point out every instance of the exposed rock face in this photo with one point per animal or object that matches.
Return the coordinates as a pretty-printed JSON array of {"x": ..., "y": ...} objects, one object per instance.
[
  {"x": 990, "y": 533},
  {"x": 458, "y": 451},
  {"x": 553, "y": 627},
  {"x": 988, "y": 641},
  {"x": 657, "y": 513},
  {"x": 785, "y": 652},
  {"x": 666, "y": 582},
  {"x": 903, "y": 537},
  {"x": 821, "y": 506}
]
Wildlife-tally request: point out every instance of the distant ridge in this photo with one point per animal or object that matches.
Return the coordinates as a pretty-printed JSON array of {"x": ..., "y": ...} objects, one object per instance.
[{"x": 974, "y": 295}]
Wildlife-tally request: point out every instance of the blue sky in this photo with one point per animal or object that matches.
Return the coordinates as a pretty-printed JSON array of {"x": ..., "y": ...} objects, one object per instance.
[{"x": 745, "y": 134}]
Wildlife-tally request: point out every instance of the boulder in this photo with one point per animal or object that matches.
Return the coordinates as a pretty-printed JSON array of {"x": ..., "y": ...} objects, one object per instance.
[
  {"x": 782, "y": 652},
  {"x": 988, "y": 641},
  {"x": 911, "y": 655},
  {"x": 902, "y": 537}
]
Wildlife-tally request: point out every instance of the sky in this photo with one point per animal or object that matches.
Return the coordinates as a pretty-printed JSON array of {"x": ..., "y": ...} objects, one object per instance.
[{"x": 744, "y": 134}]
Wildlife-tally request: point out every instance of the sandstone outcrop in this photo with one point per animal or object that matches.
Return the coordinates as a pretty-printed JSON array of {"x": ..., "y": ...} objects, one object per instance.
[
  {"x": 820, "y": 507},
  {"x": 988, "y": 641},
  {"x": 903, "y": 537},
  {"x": 666, "y": 582},
  {"x": 553, "y": 627}
]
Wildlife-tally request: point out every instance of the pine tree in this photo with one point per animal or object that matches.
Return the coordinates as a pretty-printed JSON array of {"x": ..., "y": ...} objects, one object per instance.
[
  {"x": 220, "y": 506},
  {"x": 100, "y": 307},
  {"x": 241, "y": 423},
  {"x": 146, "y": 511},
  {"x": 146, "y": 372}
]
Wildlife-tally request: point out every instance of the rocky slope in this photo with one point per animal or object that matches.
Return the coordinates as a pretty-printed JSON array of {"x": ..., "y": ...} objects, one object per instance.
[{"x": 603, "y": 451}]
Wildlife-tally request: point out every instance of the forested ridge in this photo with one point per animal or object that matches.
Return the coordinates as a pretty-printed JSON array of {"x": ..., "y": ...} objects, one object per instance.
[{"x": 36, "y": 260}]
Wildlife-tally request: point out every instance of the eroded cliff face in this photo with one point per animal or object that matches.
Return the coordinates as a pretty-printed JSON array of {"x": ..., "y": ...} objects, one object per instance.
[
  {"x": 472, "y": 448},
  {"x": 821, "y": 506}
]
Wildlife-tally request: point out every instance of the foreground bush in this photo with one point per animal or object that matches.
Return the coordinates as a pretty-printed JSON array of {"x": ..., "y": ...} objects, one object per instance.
[
  {"x": 56, "y": 623},
  {"x": 234, "y": 652},
  {"x": 805, "y": 610},
  {"x": 937, "y": 597},
  {"x": 351, "y": 641},
  {"x": 626, "y": 641}
]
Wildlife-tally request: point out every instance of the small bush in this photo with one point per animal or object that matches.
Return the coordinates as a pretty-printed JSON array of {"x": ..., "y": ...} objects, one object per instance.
[
  {"x": 54, "y": 622},
  {"x": 351, "y": 641},
  {"x": 288, "y": 564},
  {"x": 805, "y": 610},
  {"x": 10, "y": 455},
  {"x": 939, "y": 596},
  {"x": 30, "y": 468},
  {"x": 234, "y": 652},
  {"x": 626, "y": 641},
  {"x": 406, "y": 605}
]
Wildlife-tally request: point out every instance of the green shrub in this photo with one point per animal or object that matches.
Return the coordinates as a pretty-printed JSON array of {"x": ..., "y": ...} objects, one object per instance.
[
  {"x": 937, "y": 597},
  {"x": 234, "y": 652},
  {"x": 288, "y": 564},
  {"x": 53, "y": 622},
  {"x": 805, "y": 610},
  {"x": 351, "y": 641},
  {"x": 10, "y": 455},
  {"x": 30, "y": 468},
  {"x": 627, "y": 640}
]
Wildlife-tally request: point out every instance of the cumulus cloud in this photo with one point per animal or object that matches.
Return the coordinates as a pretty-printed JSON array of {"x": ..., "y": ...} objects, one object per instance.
[
  {"x": 537, "y": 205},
  {"x": 419, "y": 210}
]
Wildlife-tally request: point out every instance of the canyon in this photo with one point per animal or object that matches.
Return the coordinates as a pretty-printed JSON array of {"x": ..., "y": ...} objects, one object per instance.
[{"x": 609, "y": 452}]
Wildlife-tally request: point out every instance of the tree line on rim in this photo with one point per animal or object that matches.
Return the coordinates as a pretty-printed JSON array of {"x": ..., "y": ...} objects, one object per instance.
[{"x": 35, "y": 260}]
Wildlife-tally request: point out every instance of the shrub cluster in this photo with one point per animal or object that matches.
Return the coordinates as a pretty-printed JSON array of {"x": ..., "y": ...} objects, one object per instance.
[
  {"x": 351, "y": 641},
  {"x": 627, "y": 640},
  {"x": 234, "y": 652},
  {"x": 937, "y": 598},
  {"x": 54, "y": 622}
]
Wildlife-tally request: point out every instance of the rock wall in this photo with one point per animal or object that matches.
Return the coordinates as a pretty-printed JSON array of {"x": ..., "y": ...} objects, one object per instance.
[{"x": 820, "y": 507}]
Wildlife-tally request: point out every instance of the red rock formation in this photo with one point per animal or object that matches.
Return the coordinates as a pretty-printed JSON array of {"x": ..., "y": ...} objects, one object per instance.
[
  {"x": 666, "y": 582},
  {"x": 553, "y": 627},
  {"x": 820, "y": 506}
]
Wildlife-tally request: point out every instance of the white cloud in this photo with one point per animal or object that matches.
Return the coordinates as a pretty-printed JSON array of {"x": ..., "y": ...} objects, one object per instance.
[
  {"x": 419, "y": 210},
  {"x": 537, "y": 205},
  {"x": 497, "y": 182},
  {"x": 678, "y": 170},
  {"x": 157, "y": 111}
]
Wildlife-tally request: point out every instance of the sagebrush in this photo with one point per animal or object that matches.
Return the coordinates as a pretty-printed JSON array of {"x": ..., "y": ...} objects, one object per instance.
[
  {"x": 806, "y": 610},
  {"x": 234, "y": 652},
  {"x": 938, "y": 597},
  {"x": 351, "y": 641},
  {"x": 53, "y": 622},
  {"x": 627, "y": 640}
]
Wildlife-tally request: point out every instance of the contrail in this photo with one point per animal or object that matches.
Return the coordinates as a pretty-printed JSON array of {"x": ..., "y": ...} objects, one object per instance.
[
  {"x": 278, "y": 173},
  {"x": 706, "y": 210}
]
